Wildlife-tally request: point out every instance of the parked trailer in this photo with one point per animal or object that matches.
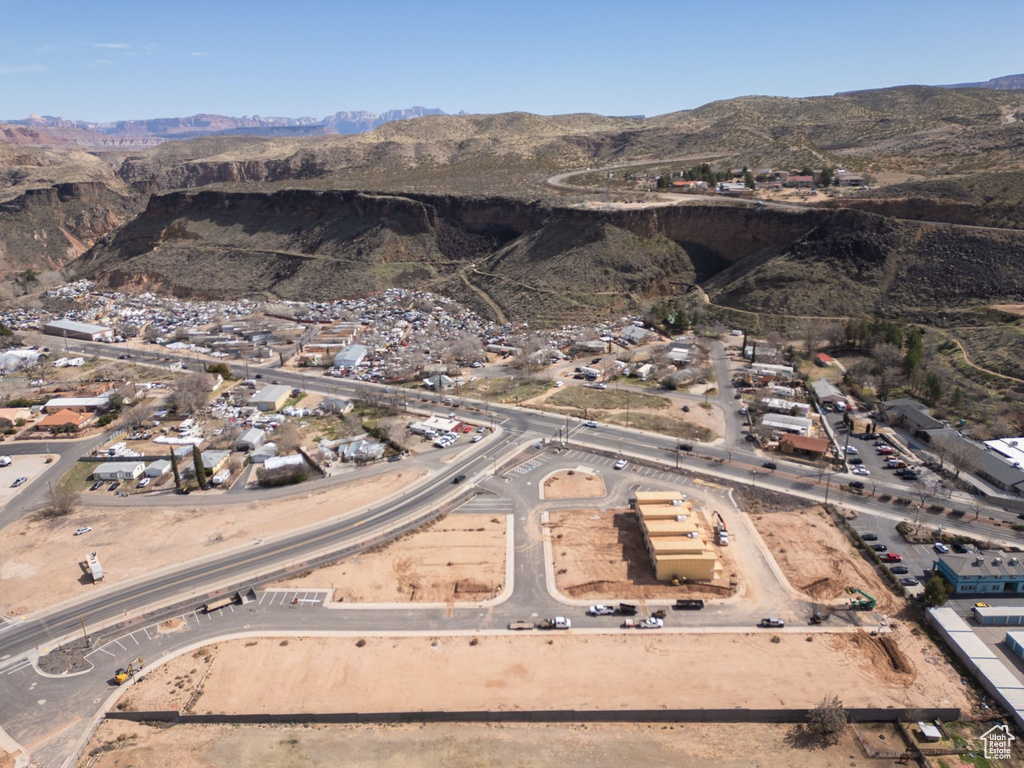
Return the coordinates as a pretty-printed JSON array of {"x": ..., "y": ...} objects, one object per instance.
[
  {"x": 689, "y": 605},
  {"x": 520, "y": 625}
]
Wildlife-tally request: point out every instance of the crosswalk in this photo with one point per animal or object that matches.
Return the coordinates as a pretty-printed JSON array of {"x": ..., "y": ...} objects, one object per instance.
[
  {"x": 529, "y": 466},
  {"x": 486, "y": 504}
]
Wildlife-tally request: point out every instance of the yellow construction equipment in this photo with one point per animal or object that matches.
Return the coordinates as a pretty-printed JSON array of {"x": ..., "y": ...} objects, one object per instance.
[{"x": 125, "y": 673}]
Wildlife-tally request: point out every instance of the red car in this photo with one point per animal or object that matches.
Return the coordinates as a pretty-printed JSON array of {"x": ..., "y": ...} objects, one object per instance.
[{"x": 892, "y": 557}]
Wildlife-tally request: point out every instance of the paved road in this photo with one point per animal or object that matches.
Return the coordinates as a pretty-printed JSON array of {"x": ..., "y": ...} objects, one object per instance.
[
  {"x": 521, "y": 427},
  {"x": 52, "y": 713}
]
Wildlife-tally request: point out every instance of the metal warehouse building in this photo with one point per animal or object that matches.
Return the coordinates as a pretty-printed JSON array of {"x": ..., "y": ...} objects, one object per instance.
[{"x": 74, "y": 330}]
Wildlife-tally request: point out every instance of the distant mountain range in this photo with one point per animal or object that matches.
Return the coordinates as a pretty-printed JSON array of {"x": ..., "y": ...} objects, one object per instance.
[
  {"x": 1004, "y": 83},
  {"x": 57, "y": 130}
]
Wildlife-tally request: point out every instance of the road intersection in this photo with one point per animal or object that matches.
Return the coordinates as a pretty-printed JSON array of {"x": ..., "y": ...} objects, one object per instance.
[{"x": 121, "y": 622}]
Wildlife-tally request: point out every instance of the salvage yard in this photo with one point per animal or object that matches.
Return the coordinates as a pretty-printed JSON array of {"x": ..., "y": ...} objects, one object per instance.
[
  {"x": 818, "y": 559},
  {"x": 459, "y": 557},
  {"x": 496, "y": 672},
  {"x": 600, "y": 554},
  {"x": 42, "y": 557}
]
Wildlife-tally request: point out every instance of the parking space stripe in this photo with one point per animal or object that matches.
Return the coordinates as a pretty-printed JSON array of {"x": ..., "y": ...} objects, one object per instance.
[
  {"x": 119, "y": 643},
  {"x": 132, "y": 636},
  {"x": 262, "y": 595},
  {"x": 105, "y": 651},
  {"x": 147, "y": 634}
]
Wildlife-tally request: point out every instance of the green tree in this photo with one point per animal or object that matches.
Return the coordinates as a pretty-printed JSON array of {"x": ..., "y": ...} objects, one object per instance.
[
  {"x": 807, "y": 171},
  {"x": 197, "y": 462},
  {"x": 956, "y": 400},
  {"x": 936, "y": 591},
  {"x": 174, "y": 469},
  {"x": 826, "y": 176},
  {"x": 663, "y": 181},
  {"x": 748, "y": 179},
  {"x": 932, "y": 387}
]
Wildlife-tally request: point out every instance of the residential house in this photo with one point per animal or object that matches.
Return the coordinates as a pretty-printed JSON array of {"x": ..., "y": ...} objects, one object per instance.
[
  {"x": 76, "y": 404},
  {"x": 804, "y": 182},
  {"x": 63, "y": 421},
  {"x": 119, "y": 470}
]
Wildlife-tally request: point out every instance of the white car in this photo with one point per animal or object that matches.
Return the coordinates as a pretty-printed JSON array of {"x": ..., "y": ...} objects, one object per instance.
[
  {"x": 477, "y": 438},
  {"x": 601, "y": 610},
  {"x": 859, "y": 470},
  {"x": 5, "y": 461},
  {"x": 621, "y": 464},
  {"x": 852, "y": 450},
  {"x": 601, "y": 386},
  {"x": 476, "y": 364},
  {"x": 143, "y": 483},
  {"x": 559, "y": 384},
  {"x": 941, "y": 548},
  {"x": 80, "y": 531},
  {"x": 589, "y": 423},
  {"x": 651, "y": 622}
]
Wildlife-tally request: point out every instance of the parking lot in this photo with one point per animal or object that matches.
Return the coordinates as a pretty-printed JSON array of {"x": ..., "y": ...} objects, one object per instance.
[
  {"x": 918, "y": 559},
  {"x": 864, "y": 449}
]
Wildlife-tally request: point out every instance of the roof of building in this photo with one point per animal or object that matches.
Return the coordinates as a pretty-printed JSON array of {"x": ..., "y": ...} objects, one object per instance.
[
  {"x": 271, "y": 394},
  {"x": 825, "y": 388},
  {"x": 213, "y": 458},
  {"x": 62, "y": 417},
  {"x": 986, "y": 564},
  {"x": 275, "y": 462},
  {"x": 352, "y": 354},
  {"x": 658, "y": 497},
  {"x": 669, "y": 527},
  {"x": 785, "y": 420},
  {"x": 252, "y": 433},
  {"x": 119, "y": 466},
  {"x": 1010, "y": 448},
  {"x": 804, "y": 443},
  {"x": 676, "y": 545},
  {"x": 76, "y": 402},
  {"x": 73, "y": 326},
  {"x": 902, "y": 401}
]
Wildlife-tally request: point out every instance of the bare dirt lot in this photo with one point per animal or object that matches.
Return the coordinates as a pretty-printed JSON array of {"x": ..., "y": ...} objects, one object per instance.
[
  {"x": 573, "y": 484},
  {"x": 499, "y": 672},
  {"x": 648, "y": 411},
  {"x": 41, "y": 559},
  {"x": 818, "y": 559},
  {"x": 600, "y": 554},
  {"x": 459, "y": 557},
  {"x": 122, "y": 744}
]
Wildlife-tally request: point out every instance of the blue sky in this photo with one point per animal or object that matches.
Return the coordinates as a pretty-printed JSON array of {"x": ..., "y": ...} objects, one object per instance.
[{"x": 104, "y": 61}]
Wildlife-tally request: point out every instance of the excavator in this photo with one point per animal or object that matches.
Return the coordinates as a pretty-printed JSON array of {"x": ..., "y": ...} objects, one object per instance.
[
  {"x": 863, "y": 603},
  {"x": 125, "y": 673},
  {"x": 820, "y": 613}
]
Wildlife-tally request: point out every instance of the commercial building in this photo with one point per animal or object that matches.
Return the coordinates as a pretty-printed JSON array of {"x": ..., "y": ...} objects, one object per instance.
[
  {"x": 672, "y": 533},
  {"x": 119, "y": 470},
  {"x": 271, "y": 398},
  {"x": 799, "y": 445},
  {"x": 827, "y": 393},
  {"x": 71, "y": 329},
  {"x": 998, "y": 616},
  {"x": 76, "y": 404},
  {"x": 983, "y": 573},
  {"x": 351, "y": 356}
]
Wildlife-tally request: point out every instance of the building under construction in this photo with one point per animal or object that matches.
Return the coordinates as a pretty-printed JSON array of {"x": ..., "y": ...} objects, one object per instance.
[{"x": 675, "y": 537}]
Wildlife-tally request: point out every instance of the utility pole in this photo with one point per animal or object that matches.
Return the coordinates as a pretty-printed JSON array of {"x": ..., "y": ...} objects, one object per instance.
[{"x": 84, "y": 633}]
